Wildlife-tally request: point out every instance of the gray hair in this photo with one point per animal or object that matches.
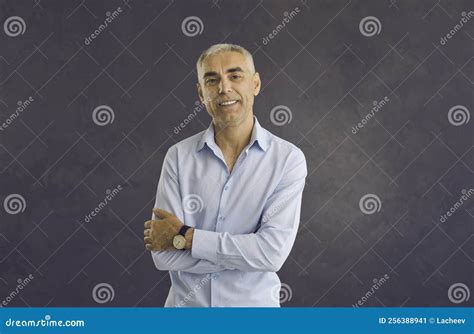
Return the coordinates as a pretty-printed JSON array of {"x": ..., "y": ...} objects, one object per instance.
[{"x": 224, "y": 47}]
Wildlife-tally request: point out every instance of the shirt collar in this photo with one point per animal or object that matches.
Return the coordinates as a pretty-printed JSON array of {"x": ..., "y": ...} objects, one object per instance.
[{"x": 258, "y": 135}]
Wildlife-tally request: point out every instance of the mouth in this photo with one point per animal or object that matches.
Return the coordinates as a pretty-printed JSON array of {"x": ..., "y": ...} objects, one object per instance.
[{"x": 227, "y": 103}]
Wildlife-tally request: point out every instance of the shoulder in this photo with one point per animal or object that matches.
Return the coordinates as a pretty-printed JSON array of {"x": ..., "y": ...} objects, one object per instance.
[
  {"x": 284, "y": 148},
  {"x": 187, "y": 145}
]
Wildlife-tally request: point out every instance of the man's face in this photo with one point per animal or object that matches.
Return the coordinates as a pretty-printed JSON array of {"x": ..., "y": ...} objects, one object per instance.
[{"x": 227, "y": 87}]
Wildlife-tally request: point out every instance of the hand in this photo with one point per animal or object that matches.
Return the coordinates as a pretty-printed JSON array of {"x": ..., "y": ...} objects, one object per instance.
[{"x": 159, "y": 234}]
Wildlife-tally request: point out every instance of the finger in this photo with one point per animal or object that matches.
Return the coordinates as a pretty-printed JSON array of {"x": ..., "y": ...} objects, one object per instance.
[
  {"x": 148, "y": 247},
  {"x": 147, "y": 232},
  {"x": 147, "y": 240},
  {"x": 162, "y": 213},
  {"x": 147, "y": 224}
]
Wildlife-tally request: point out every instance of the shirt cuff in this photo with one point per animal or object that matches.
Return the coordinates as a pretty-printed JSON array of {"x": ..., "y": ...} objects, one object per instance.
[{"x": 205, "y": 245}]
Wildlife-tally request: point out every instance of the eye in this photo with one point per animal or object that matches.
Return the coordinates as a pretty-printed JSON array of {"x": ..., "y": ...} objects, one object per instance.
[
  {"x": 236, "y": 76},
  {"x": 211, "y": 81}
]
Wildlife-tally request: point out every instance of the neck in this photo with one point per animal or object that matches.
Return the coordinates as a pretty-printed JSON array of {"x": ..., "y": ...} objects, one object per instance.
[{"x": 234, "y": 138}]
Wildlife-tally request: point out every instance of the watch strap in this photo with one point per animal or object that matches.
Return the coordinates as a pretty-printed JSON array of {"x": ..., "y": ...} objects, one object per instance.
[{"x": 183, "y": 229}]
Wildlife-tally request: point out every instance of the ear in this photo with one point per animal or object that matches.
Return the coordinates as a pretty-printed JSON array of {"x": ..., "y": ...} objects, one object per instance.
[
  {"x": 199, "y": 90},
  {"x": 256, "y": 84}
]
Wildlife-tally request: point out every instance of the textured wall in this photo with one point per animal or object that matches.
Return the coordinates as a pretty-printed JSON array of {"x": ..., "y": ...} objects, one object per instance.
[{"x": 83, "y": 117}]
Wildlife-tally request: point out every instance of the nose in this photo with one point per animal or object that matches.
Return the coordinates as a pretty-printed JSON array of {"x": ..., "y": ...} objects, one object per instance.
[{"x": 225, "y": 86}]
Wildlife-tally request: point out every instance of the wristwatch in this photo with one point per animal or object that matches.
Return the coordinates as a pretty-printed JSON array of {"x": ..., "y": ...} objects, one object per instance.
[{"x": 179, "y": 241}]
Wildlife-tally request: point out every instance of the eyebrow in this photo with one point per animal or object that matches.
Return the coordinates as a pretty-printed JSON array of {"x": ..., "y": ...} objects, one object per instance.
[{"x": 230, "y": 70}]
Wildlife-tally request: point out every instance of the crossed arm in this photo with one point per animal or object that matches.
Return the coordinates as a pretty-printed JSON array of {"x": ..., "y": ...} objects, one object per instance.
[{"x": 209, "y": 251}]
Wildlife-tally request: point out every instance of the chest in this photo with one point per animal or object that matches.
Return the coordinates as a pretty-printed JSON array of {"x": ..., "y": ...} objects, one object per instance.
[
  {"x": 218, "y": 200},
  {"x": 230, "y": 160}
]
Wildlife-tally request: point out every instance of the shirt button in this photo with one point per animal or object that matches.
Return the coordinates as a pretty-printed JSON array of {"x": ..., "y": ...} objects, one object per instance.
[
  {"x": 226, "y": 188},
  {"x": 221, "y": 217}
]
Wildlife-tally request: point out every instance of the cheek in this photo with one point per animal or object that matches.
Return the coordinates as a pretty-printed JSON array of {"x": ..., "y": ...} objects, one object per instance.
[
  {"x": 249, "y": 99},
  {"x": 209, "y": 106},
  {"x": 250, "y": 92},
  {"x": 208, "y": 98},
  {"x": 211, "y": 95}
]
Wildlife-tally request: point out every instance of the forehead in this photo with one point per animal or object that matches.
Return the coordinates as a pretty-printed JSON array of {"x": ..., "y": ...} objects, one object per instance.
[{"x": 223, "y": 61}]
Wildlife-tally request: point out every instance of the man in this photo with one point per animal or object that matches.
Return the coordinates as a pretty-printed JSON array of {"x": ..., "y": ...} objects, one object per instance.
[{"x": 229, "y": 198}]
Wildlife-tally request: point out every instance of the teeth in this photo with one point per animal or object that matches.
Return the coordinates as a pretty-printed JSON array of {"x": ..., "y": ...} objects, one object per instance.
[{"x": 228, "y": 103}]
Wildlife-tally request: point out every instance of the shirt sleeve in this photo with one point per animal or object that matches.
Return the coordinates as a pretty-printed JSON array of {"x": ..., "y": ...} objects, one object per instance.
[
  {"x": 268, "y": 248},
  {"x": 168, "y": 197}
]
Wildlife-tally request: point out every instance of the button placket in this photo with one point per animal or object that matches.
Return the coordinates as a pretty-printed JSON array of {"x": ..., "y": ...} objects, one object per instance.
[{"x": 224, "y": 194}]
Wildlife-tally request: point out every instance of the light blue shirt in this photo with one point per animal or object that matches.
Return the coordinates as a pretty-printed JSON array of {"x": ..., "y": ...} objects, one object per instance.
[{"x": 246, "y": 221}]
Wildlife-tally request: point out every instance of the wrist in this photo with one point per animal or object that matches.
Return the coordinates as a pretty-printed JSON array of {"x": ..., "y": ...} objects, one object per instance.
[{"x": 189, "y": 238}]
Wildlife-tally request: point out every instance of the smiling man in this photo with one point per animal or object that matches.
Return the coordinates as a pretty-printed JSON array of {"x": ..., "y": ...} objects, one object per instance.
[{"x": 229, "y": 198}]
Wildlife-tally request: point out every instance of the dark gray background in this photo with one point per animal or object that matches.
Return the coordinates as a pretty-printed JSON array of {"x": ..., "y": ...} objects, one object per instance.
[{"x": 320, "y": 66}]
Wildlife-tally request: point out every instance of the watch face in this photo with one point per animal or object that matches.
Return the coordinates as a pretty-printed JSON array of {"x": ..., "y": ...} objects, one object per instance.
[{"x": 179, "y": 242}]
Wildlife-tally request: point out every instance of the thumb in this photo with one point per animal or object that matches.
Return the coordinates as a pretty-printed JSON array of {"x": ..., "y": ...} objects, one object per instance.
[{"x": 162, "y": 213}]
